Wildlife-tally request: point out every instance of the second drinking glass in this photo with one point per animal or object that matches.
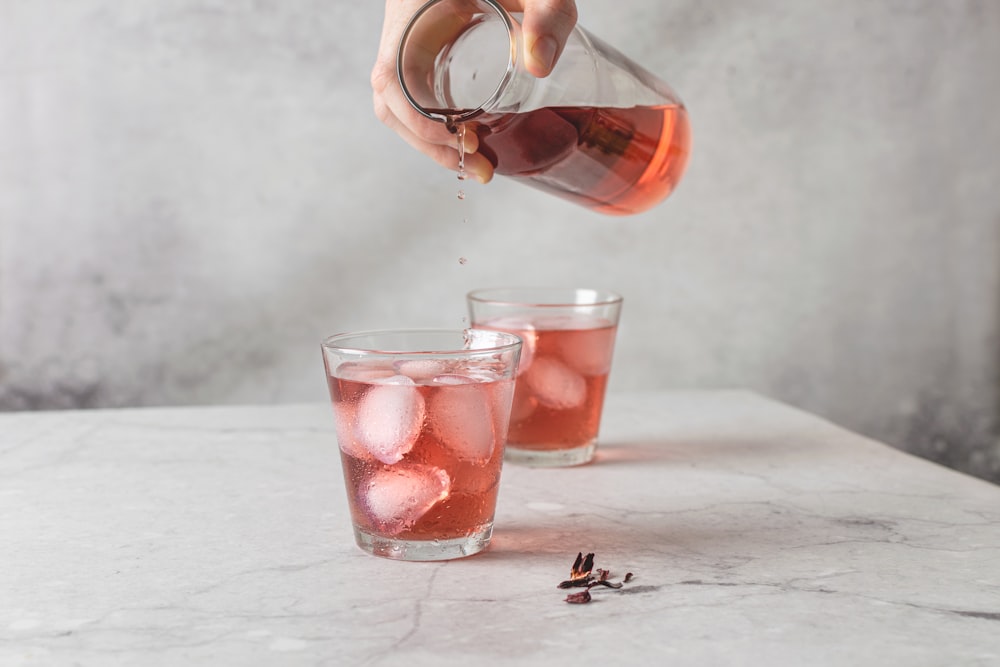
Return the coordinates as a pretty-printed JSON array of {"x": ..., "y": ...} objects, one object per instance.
[{"x": 568, "y": 338}]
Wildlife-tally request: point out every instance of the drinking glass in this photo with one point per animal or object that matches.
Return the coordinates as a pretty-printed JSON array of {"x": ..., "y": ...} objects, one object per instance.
[
  {"x": 568, "y": 338},
  {"x": 421, "y": 419}
]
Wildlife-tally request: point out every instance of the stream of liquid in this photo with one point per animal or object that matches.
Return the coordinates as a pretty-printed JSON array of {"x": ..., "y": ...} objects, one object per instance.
[{"x": 460, "y": 134}]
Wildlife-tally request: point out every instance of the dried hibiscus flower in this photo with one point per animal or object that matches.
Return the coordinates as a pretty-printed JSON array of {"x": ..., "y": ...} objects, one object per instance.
[{"x": 582, "y": 575}]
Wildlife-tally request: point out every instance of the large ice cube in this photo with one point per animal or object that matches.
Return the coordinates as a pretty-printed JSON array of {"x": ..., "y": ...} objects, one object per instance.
[
  {"x": 395, "y": 498},
  {"x": 589, "y": 351},
  {"x": 555, "y": 384},
  {"x": 389, "y": 420},
  {"x": 521, "y": 328},
  {"x": 460, "y": 416}
]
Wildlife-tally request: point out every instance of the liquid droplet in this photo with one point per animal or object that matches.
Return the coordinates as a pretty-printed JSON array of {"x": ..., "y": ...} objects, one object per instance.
[
  {"x": 461, "y": 194},
  {"x": 463, "y": 261}
]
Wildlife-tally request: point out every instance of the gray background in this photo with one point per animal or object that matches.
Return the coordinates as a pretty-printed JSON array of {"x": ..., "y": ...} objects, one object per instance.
[{"x": 192, "y": 194}]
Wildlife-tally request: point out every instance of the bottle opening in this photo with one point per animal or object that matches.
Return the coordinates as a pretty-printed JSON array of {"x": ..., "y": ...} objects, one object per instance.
[{"x": 455, "y": 58}]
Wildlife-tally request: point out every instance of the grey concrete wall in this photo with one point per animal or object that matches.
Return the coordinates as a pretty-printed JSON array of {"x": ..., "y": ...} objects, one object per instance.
[{"x": 194, "y": 193}]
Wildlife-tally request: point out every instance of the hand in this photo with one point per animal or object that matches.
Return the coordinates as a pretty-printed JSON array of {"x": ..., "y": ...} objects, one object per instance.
[{"x": 546, "y": 25}]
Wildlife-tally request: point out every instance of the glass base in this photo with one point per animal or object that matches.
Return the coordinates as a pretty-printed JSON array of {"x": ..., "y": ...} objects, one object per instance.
[
  {"x": 550, "y": 458},
  {"x": 423, "y": 550}
]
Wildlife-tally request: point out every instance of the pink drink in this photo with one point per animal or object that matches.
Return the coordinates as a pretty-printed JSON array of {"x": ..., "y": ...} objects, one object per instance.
[
  {"x": 561, "y": 382},
  {"x": 422, "y": 443},
  {"x": 614, "y": 161}
]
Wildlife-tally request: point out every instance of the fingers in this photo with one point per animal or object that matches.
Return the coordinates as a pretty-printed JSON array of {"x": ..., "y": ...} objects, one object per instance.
[
  {"x": 547, "y": 24},
  {"x": 429, "y": 137}
]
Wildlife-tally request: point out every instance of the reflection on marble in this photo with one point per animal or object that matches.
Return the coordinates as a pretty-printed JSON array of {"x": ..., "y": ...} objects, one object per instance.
[{"x": 758, "y": 534}]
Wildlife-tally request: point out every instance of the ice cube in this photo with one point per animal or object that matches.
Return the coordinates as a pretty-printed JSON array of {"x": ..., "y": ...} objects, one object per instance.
[
  {"x": 482, "y": 369},
  {"x": 524, "y": 404},
  {"x": 461, "y": 418},
  {"x": 521, "y": 328},
  {"x": 395, "y": 498},
  {"x": 364, "y": 371},
  {"x": 589, "y": 351},
  {"x": 556, "y": 385},
  {"x": 454, "y": 378},
  {"x": 404, "y": 380},
  {"x": 422, "y": 371},
  {"x": 389, "y": 420},
  {"x": 344, "y": 421}
]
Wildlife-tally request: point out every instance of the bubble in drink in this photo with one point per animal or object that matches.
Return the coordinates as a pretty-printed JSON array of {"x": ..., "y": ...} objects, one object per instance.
[{"x": 395, "y": 498}]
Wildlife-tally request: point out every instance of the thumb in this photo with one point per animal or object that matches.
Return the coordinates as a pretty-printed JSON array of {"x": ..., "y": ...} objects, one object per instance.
[{"x": 546, "y": 25}]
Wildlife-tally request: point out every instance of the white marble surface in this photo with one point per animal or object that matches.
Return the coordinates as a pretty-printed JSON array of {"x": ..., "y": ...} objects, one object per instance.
[{"x": 758, "y": 534}]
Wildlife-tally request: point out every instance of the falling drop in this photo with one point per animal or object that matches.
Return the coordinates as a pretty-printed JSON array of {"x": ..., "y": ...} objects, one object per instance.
[
  {"x": 463, "y": 261},
  {"x": 461, "y": 194}
]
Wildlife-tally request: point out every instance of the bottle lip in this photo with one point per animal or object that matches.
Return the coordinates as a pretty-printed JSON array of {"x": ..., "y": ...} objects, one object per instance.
[{"x": 460, "y": 115}]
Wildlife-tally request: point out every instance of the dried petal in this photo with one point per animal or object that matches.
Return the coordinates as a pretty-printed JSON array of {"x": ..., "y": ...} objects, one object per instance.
[
  {"x": 584, "y": 575},
  {"x": 583, "y": 597},
  {"x": 582, "y": 566},
  {"x": 580, "y": 575}
]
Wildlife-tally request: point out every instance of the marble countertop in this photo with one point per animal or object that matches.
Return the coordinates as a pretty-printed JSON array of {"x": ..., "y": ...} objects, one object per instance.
[{"x": 757, "y": 534}]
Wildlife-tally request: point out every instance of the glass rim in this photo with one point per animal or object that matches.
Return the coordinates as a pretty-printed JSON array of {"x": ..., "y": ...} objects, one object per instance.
[
  {"x": 491, "y": 100},
  {"x": 522, "y": 296},
  {"x": 331, "y": 342}
]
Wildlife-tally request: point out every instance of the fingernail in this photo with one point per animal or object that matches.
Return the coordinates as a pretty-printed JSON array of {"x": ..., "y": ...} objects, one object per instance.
[
  {"x": 471, "y": 142},
  {"x": 544, "y": 51},
  {"x": 482, "y": 175}
]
